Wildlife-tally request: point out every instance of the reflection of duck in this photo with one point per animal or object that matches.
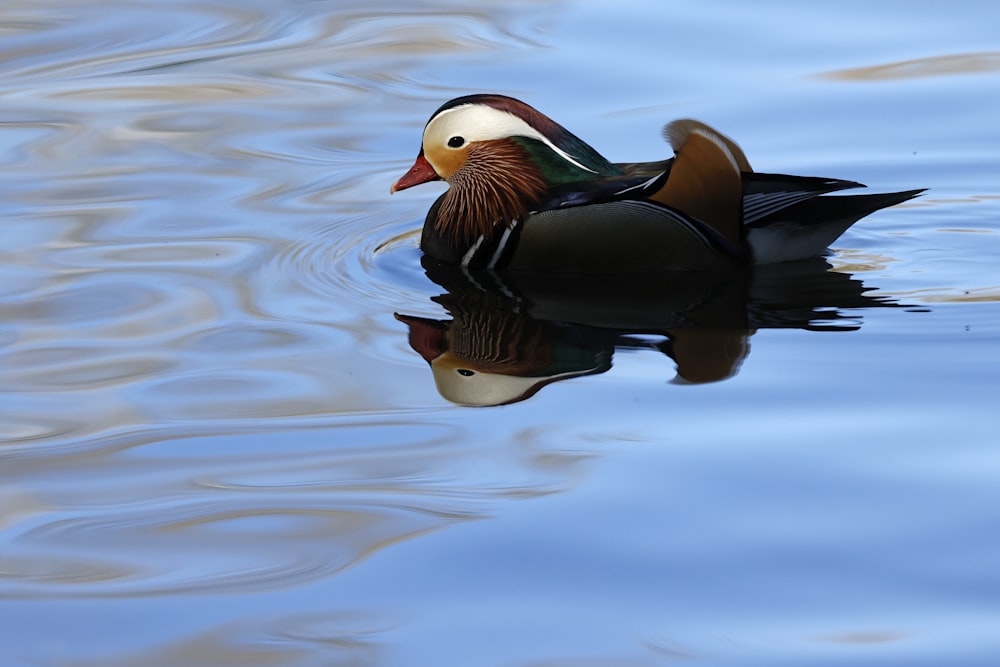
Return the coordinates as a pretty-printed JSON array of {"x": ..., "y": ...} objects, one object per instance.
[
  {"x": 490, "y": 354},
  {"x": 505, "y": 341},
  {"x": 527, "y": 193}
]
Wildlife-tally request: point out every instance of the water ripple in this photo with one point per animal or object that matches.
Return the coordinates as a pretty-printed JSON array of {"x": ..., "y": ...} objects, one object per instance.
[
  {"x": 372, "y": 262},
  {"x": 274, "y": 638},
  {"x": 201, "y": 514},
  {"x": 210, "y": 547}
]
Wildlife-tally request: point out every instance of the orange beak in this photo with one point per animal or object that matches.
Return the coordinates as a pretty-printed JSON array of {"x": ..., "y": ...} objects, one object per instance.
[{"x": 420, "y": 172}]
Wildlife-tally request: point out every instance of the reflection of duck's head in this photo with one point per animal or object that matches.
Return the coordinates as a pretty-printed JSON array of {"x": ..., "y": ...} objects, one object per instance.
[
  {"x": 501, "y": 357},
  {"x": 460, "y": 382}
]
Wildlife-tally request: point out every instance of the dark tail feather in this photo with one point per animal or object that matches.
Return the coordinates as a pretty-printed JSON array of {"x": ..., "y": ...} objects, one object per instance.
[
  {"x": 807, "y": 228},
  {"x": 761, "y": 183},
  {"x": 847, "y": 209},
  {"x": 766, "y": 194}
]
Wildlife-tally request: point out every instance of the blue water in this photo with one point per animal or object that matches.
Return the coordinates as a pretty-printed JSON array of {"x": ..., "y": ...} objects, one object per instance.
[{"x": 218, "y": 446}]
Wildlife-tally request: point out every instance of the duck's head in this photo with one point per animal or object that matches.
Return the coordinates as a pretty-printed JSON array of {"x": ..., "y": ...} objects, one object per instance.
[{"x": 499, "y": 156}]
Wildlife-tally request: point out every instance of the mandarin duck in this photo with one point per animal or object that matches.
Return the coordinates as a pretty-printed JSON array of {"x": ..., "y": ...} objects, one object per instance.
[{"x": 525, "y": 193}]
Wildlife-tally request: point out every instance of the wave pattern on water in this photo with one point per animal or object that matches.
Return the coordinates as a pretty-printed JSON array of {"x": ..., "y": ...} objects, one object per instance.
[
  {"x": 216, "y": 513},
  {"x": 205, "y": 394},
  {"x": 190, "y": 254}
]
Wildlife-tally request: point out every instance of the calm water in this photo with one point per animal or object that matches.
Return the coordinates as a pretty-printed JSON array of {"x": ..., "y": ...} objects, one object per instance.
[{"x": 221, "y": 447}]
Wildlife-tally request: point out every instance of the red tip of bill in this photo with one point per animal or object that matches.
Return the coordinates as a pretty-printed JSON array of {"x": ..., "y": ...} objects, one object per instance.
[{"x": 420, "y": 172}]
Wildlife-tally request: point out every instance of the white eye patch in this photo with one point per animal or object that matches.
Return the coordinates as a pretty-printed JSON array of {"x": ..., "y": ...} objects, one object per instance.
[{"x": 461, "y": 125}]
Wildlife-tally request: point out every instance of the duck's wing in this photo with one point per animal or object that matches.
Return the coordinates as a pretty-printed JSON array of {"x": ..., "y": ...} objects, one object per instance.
[
  {"x": 645, "y": 169},
  {"x": 638, "y": 183},
  {"x": 686, "y": 212},
  {"x": 705, "y": 180}
]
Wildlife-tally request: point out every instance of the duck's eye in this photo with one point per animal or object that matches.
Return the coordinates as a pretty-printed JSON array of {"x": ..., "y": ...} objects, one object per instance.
[
  {"x": 456, "y": 142},
  {"x": 465, "y": 372}
]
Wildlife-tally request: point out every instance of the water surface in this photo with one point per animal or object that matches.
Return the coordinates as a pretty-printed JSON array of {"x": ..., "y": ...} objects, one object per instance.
[{"x": 220, "y": 446}]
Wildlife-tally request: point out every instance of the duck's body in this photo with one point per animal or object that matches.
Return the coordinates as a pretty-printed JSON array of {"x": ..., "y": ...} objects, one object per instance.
[{"x": 526, "y": 193}]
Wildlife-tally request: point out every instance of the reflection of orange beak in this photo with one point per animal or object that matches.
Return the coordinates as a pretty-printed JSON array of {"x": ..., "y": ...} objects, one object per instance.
[
  {"x": 420, "y": 172},
  {"x": 426, "y": 336}
]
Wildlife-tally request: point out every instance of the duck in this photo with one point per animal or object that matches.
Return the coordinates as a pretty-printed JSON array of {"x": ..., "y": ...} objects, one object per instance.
[{"x": 525, "y": 193}]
